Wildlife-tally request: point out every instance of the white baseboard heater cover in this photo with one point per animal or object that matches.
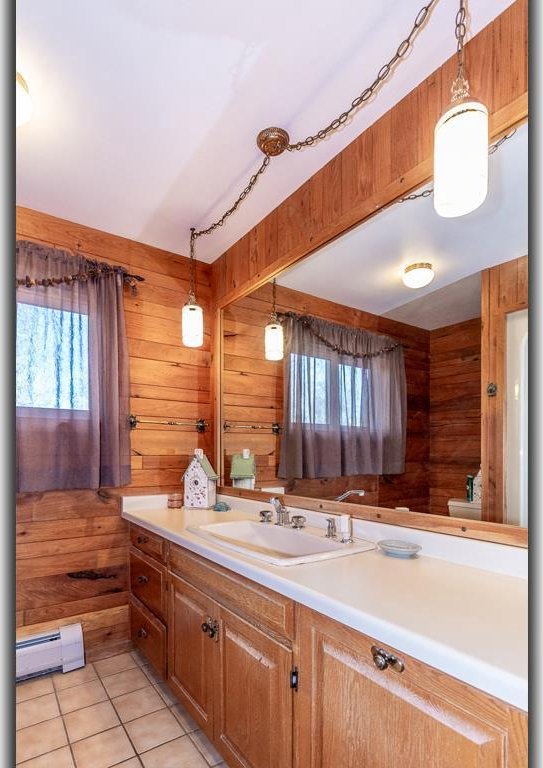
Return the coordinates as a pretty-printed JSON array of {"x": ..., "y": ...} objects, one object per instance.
[{"x": 60, "y": 650}]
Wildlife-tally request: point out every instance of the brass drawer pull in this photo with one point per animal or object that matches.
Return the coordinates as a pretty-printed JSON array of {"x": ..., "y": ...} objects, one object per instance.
[
  {"x": 142, "y": 579},
  {"x": 383, "y": 659},
  {"x": 142, "y": 633},
  {"x": 142, "y": 539}
]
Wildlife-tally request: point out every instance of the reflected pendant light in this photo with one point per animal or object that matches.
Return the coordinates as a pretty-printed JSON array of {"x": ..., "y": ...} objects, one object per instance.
[
  {"x": 23, "y": 102},
  {"x": 192, "y": 315},
  {"x": 273, "y": 333},
  {"x": 461, "y": 144}
]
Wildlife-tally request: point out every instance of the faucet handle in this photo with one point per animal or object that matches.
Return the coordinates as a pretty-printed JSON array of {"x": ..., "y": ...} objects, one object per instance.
[
  {"x": 297, "y": 521},
  {"x": 265, "y": 516},
  {"x": 332, "y": 530}
]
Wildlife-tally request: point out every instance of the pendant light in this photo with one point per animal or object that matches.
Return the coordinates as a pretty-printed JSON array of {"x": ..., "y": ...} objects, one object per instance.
[
  {"x": 273, "y": 333},
  {"x": 23, "y": 102},
  {"x": 192, "y": 315},
  {"x": 461, "y": 144}
]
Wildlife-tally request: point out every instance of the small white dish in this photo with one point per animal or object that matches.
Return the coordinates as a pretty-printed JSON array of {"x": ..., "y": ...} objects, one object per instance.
[{"x": 399, "y": 548}]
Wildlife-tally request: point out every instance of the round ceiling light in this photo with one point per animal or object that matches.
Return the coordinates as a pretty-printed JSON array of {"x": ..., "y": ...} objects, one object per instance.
[
  {"x": 418, "y": 275},
  {"x": 23, "y": 102}
]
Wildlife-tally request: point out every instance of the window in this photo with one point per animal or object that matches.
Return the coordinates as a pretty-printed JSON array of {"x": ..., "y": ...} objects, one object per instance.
[
  {"x": 52, "y": 358},
  {"x": 354, "y": 395},
  {"x": 309, "y": 387}
]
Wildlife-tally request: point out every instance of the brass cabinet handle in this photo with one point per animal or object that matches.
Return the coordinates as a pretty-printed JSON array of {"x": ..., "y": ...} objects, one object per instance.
[
  {"x": 142, "y": 579},
  {"x": 383, "y": 659},
  {"x": 211, "y": 628},
  {"x": 142, "y": 633},
  {"x": 142, "y": 539},
  {"x": 205, "y": 627}
]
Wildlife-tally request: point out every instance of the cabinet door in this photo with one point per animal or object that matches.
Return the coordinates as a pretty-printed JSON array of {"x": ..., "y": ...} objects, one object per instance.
[
  {"x": 349, "y": 713},
  {"x": 191, "y": 652},
  {"x": 254, "y": 716}
]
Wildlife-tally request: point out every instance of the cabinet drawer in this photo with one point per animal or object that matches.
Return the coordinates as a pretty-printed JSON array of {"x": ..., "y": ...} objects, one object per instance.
[
  {"x": 148, "y": 542},
  {"x": 248, "y": 599},
  {"x": 149, "y": 634},
  {"x": 148, "y": 582}
]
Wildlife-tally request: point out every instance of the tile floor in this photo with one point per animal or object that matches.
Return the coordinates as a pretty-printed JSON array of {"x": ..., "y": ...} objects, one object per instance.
[{"x": 115, "y": 712}]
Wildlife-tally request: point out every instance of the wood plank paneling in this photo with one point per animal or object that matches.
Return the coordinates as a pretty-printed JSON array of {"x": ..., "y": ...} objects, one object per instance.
[
  {"x": 455, "y": 411},
  {"x": 72, "y": 546},
  {"x": 253, "y": 394}
]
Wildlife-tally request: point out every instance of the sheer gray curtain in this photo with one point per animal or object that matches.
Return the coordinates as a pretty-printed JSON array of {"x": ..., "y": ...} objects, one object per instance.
[
  {"x": 72, "y": 384},
  {"x": 344, "y": 401}
]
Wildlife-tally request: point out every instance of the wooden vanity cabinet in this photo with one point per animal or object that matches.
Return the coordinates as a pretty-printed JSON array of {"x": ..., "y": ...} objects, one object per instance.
[
  {"x": 232, "y": 676},
  {"x": 350, "y": 713}
]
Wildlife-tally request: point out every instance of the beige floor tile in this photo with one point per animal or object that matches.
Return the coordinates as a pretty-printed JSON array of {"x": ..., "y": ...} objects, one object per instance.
[
  {"x": 39, "y": 739},
  {"x": 203, "y": 745},
  {"x": 103, "y": 749},
  {"x": 32, "y": 688},
  {"x": 60, "y": 758},
  {"x": 180, "y": 753},
  {"x": 69, "y": 679},
  {"x": 181, "y": 714},
  {"x": 115, "y": 664},
  {"x": 138, "y": 703},
  {"x": 90, "y": 720},
  {"x": 154, "y": 729},
  {"x": 36, "y": 710},
  {"x": 124, "y": 682},
  {"x": 81, "y": 696}
]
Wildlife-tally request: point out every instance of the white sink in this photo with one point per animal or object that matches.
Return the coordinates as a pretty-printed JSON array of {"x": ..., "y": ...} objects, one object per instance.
[{"x": 277, "y": 544}]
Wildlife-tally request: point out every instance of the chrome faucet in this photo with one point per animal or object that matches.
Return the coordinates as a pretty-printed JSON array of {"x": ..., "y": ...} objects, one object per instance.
[
  {"x": 280, "y": 510},
  {"x": 349, "y": 493}
]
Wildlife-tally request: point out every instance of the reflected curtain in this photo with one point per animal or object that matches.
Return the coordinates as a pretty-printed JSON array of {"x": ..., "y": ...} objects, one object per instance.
[
  {"x": 344, "y": 401},
  {"x": 72, "y": 379}
]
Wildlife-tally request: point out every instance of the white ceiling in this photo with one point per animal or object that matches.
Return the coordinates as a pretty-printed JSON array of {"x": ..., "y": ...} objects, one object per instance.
[
  {"x": 146, "y": 112},
  {"x": 363, "y": 268}
]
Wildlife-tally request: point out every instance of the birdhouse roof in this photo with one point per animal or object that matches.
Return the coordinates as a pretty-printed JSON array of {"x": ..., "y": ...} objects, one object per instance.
[
  {"x": 242, "y": 468},
  {"x": 205, "y": 464}
]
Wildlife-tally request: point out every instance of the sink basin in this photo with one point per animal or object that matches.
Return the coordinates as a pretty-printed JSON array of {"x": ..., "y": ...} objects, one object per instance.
[{"x": 276, "y": 544}]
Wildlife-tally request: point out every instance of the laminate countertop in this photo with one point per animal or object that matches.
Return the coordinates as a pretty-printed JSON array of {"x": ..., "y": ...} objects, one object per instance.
[{"x": 466, "y": 621}]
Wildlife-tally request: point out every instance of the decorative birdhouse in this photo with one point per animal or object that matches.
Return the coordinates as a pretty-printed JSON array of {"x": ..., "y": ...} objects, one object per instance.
[
  {"x": 200, "y": 482},
  {"x": 243, "y": 470}
]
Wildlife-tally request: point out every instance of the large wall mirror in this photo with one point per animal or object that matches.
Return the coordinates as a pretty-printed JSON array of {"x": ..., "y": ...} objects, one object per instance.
[{"x": 408, "y": 398}]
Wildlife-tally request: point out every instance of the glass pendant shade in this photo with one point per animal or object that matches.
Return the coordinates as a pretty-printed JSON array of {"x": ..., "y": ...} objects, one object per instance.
[
  {"x": 192, "y": 325},
  {"x": 418, "y": 275},
  {"x": 23, "y": 102},
  {"x": 461, "y": 159},
  {"x": 273, "y": 341}
]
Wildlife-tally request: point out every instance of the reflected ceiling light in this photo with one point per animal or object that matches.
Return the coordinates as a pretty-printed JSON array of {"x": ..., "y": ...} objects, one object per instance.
[
  {"x": 192, "y": 315},
  {"x": 273, "y": 333},
  {"x": 23, "y": 101},
  {"x": 461, "y": 144},
  {"x": 418, "y": 275}
]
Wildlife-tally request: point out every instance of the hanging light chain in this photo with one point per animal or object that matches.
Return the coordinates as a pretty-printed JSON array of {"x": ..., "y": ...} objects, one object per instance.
[
  {"x": 192, "y": 269},
  {"x": 273, "y": 316},
  {"x": 365, "y": 96},
  {"x": 460, "y": 86}
]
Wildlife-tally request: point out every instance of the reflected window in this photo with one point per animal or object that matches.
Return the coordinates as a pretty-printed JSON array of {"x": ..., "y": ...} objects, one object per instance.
[{"x": 309, "y": 389}]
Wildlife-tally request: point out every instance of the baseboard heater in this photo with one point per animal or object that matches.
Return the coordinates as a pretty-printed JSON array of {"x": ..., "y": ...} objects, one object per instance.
[{"x": 56, "y": 651}]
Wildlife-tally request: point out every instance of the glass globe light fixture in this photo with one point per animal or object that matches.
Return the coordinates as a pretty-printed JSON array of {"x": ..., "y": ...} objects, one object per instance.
[
  {"x": 192, "y": 315},
  {"x": 273, "y": 334},
  {"x": 418, "y": 275},
  {"x": 461, "y": 144}
]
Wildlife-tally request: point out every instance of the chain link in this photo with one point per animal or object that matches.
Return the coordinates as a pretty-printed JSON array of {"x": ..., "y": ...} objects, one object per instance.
[{"x": 364, "y": 97}]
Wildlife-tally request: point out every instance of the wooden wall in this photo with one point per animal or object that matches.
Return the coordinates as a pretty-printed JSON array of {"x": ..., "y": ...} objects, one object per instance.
[
  {"x": 391, "y": 157},
  {"x": 61, "y": 534},
  {"x": 253, "y": 393},
  {"x": 455, "y": 411}
]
